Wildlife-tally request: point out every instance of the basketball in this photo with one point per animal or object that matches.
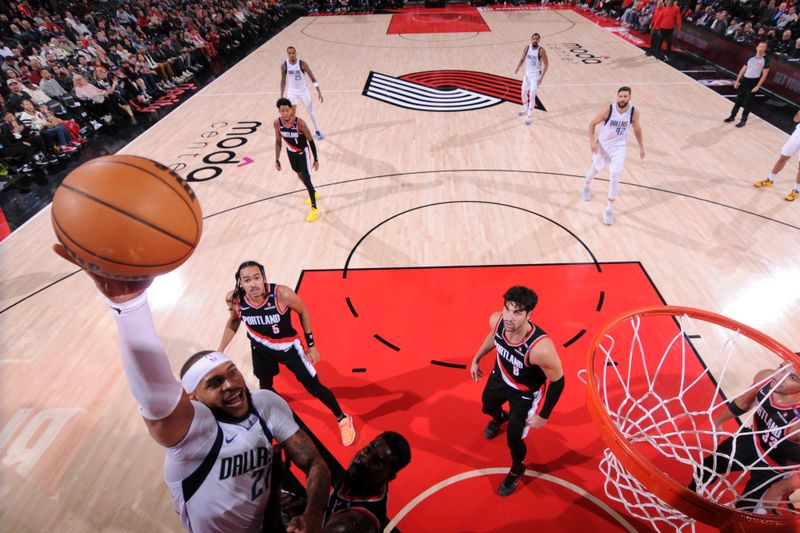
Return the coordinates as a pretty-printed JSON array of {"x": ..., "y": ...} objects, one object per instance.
[{"x": 127, "y": 217}]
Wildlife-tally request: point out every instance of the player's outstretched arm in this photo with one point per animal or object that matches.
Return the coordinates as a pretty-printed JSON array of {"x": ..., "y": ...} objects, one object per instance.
[
  {"x": 166, "y": 408},
  {"x": 545, "y": 356},
  {"x": 744, "y": 402},
  {"x": 305, "y": 455}
]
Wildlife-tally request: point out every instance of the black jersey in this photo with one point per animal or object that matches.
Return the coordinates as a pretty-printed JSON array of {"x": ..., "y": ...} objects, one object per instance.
[
  {"x": 295, "y": 139},
  {"x": 513, "y": 362},
  {"x": 773, "y": 420},
  {"x": 373, "y": 507},
  {"x": 268, "y": 322}
]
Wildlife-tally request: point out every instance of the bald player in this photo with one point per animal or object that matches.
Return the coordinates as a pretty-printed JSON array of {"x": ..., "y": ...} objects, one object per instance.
[{"x": 217, "y": 434}]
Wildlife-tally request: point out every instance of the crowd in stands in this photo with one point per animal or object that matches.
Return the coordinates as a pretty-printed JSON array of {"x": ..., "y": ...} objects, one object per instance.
[
  {"x": 68, "y": 69},
  {"x": 745, "y": 21},
  {"x": 351, "y": 6}
]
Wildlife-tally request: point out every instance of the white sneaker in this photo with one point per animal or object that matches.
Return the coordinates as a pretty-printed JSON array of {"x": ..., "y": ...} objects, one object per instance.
[
  {"x": 608, "y": 217},
  {"x": 587, "y": 194}
]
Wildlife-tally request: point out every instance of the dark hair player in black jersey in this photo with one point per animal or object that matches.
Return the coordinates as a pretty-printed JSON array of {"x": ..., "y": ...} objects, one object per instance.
[
  {"x": 266, "y": 310},
  {"x": 771, "y": 449},
  {"x": 359, "y": 501},
  {"x": 293, "y": 130},
  {"x": 526, "y": 359}
]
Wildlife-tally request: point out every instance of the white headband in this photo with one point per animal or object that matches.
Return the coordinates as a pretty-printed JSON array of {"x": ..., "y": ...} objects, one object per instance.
[{"x": 192, "y": 378}]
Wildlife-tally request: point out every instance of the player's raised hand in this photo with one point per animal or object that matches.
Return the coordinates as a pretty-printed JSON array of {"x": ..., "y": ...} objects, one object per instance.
[{"x": 116, "y": 290}]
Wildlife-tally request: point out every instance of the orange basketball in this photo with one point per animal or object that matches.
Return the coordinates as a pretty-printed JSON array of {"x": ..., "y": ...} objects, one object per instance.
[{"x": 127, "y": 217}]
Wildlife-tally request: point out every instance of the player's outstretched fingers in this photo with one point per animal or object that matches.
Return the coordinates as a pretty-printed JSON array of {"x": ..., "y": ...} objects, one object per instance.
[{"x": 116, "y": 290}]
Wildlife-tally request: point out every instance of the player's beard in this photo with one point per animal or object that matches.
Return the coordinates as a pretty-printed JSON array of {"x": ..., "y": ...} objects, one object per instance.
[
  {"x": 623, "y": 106},
  {"x": 357, "y": 478}
]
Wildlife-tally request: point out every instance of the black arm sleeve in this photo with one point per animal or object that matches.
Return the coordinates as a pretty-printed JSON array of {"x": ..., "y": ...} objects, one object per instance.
[
  {"x": 554, "y": 390},
  {"x": 313, "y": 146}
]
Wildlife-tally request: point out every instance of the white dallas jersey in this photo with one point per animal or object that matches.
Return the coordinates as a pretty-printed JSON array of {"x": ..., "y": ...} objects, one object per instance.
[
  {"x": 533, "y": 65},
  {"x": 229, "y": 494},
  {"x": 614, "y": 133},
  {"x": 295, "y": 77}
]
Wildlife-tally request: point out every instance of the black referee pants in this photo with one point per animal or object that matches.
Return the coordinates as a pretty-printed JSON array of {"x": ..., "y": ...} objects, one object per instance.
[{"x": 744, "y": 98}]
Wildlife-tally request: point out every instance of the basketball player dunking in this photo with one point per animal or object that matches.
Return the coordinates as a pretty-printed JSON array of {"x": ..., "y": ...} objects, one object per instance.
[
  {"x": 771, "y": 449},
  {"x": 526, "y": 359},
  {"x": 217, "y": 434},
  {"x": 266, "y": 310},
  {"x": 608, "y": 148},
  {"x": 535, "y": 59},
  {"x": 293, "y": 130},
  {"x": 294, "y": 70}
]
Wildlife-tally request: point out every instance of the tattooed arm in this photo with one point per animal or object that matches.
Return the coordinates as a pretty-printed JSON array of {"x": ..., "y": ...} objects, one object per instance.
[{"x": 304, "y": 454}]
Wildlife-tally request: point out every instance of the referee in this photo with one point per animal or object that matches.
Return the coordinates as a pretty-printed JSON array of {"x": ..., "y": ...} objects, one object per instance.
[{"x": 750, "y": 79}]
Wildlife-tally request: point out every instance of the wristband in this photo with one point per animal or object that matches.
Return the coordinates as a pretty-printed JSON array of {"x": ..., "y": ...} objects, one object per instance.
[
  {"x": 316, "y": 85},
  {"x": 309, "y": 339},
  {"x": 735, "y": 409}
]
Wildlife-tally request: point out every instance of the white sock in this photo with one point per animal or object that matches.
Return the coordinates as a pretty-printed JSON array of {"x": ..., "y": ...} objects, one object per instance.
[
  {"x": 610, "y": 206},
  {"x": 771, "y": 176}
]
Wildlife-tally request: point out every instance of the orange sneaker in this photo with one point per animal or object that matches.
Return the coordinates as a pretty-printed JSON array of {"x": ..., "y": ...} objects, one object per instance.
[{"x": 348, "y": 430}]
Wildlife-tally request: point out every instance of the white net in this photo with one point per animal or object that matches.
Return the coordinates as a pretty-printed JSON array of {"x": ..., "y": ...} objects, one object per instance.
[{"x": 665, "y": 382}]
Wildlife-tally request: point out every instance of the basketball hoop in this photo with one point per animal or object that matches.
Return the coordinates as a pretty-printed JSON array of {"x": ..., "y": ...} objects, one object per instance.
[{"x": 657, "y": 377}]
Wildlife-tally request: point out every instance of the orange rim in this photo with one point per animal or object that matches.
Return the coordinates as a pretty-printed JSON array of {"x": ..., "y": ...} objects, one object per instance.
[{"x": 667, "y": 489}]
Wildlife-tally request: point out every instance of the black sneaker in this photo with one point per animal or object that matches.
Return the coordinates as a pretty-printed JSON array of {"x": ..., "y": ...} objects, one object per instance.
[
  {"x": 493, "y": 427},
  {"x": 730, "y": 118},
  {"x": 741, "y": 123},
  {"x": 509, "y": 485}
]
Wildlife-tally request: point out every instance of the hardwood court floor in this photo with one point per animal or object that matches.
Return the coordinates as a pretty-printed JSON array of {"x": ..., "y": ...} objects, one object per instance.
[{"x": 76, "y": 457}]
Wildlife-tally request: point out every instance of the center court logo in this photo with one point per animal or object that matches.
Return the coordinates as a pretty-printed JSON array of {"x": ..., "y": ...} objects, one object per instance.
[
  {"x": 444, "y": 90},
  {"x": 576, "y": 53}
]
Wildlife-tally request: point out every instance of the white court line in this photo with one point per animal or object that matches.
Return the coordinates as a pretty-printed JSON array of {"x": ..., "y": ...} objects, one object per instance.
[
  {"x": 582, "y": 84},
  {"x": 487, "y": 471}
]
